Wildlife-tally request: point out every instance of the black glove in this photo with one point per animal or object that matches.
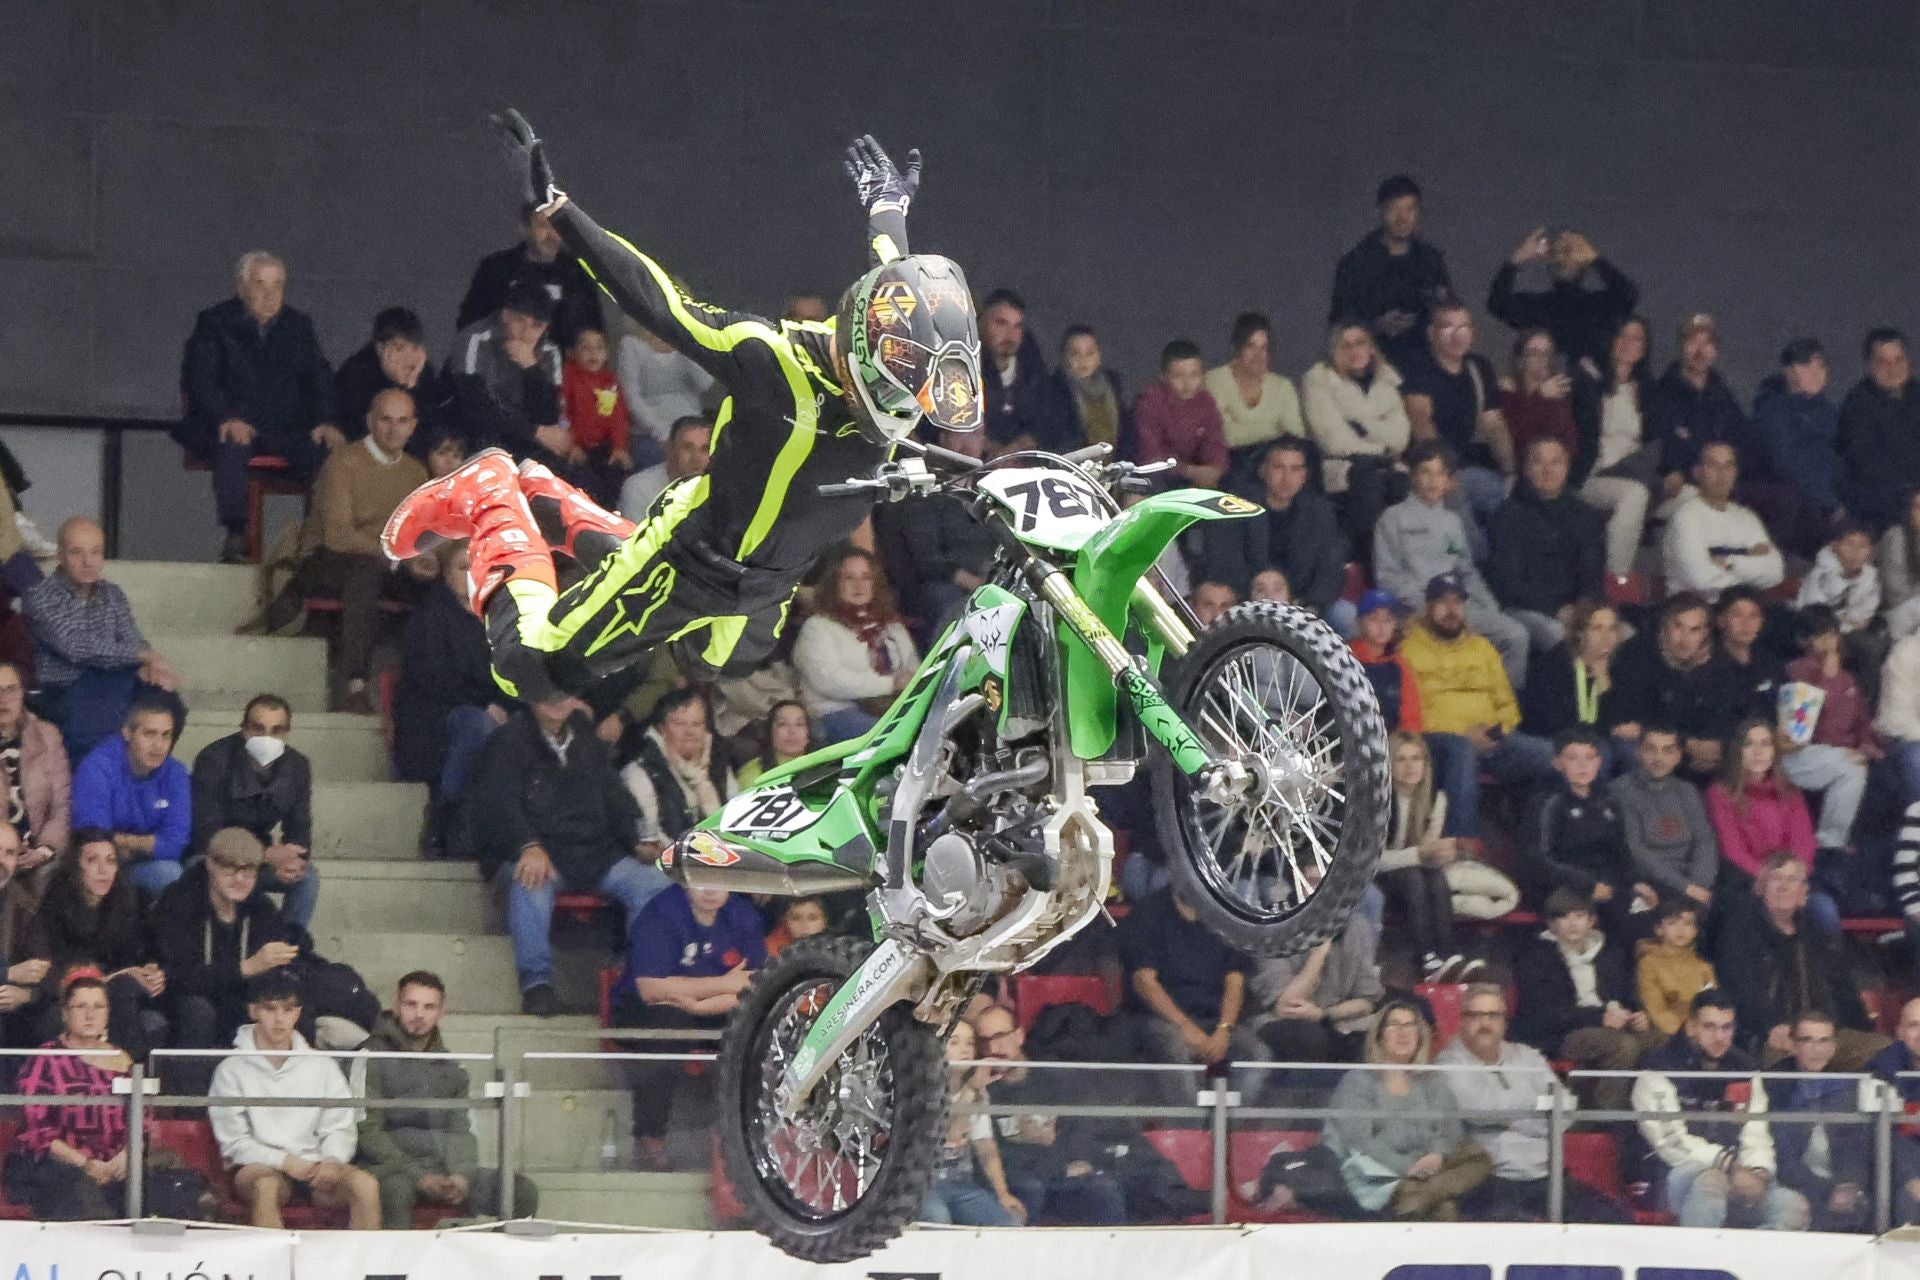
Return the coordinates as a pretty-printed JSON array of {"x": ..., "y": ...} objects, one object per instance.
[
  {"x": 524, "y": 153},
  {"x": 875, "y": 177}
]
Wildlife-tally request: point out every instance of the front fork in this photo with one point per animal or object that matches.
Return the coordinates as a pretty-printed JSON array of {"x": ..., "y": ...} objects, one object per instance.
[{"x": 1218, "y": 779}]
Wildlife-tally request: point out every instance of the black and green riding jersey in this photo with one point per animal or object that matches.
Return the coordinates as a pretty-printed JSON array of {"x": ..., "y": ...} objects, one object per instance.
[
  {"x": 715, "y": 562},
  {"x": 784, "y": 428}
]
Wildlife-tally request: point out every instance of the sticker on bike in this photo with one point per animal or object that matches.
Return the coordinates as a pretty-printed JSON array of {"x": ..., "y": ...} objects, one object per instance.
[{"x": 776, "y": 811}]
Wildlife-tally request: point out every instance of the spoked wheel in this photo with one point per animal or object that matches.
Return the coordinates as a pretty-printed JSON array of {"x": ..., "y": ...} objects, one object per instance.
[
  {"x": 848, "y": 1172},
  {"x": 1278, "y": 868}
]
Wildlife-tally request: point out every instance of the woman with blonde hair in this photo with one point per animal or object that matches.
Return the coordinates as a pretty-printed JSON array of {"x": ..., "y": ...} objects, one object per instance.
[
  {"x": 1399, "y": 1139},
  {"x": 1431, "y": 877}
]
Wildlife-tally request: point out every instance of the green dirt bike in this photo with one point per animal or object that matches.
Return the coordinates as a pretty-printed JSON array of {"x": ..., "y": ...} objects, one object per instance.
[{"x": 966, "y": 815}]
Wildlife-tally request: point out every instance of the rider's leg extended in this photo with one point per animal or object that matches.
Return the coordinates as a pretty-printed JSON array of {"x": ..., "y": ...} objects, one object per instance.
[{"x": 574, "y": 523}]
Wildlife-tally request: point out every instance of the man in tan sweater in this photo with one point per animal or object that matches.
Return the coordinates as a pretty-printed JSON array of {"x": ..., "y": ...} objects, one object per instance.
[{"x": 356, "y": 491}]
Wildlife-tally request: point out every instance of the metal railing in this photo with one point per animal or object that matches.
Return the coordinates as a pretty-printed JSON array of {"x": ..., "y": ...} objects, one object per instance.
[{"x": 1222, "y": 1105}]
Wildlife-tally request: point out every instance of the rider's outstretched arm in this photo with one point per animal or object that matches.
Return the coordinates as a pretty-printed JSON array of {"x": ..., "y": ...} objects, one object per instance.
[
  {"x": 708, "y": 335},
  {"x": 712, "y": 337}
]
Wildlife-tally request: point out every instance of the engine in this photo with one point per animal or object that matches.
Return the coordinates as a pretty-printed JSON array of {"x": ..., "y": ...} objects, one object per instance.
[{"x": 982, "y": 850}]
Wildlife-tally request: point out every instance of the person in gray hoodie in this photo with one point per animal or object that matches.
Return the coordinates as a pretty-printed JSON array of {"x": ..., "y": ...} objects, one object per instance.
[
  {"x": 1670, "y": 843},
  {"x": 1422, "y": 538},
  {"x": 425, "y": 1156}
]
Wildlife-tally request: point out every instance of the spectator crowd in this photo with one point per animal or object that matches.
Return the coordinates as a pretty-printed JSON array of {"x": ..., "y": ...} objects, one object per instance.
[{"x": 1649, "y": 651}]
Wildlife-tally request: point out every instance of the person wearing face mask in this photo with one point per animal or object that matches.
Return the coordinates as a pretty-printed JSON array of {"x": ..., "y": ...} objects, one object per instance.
[{"x": 252, "y": 779}]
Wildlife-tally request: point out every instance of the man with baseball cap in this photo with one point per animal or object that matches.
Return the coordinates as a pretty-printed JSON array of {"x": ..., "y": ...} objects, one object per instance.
[
  {"x": 1467, "y": 704},
  {"x": 1696, "y": 405}
]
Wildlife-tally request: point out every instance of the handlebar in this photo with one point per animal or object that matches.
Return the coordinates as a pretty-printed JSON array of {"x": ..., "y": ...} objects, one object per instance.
[{"x": 850, "y": 488}]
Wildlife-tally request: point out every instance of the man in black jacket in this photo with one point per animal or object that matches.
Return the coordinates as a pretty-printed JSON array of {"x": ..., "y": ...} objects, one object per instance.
[
  {"x": 445, "y": 704},
  {"x": 1775, "y": 965},
  {"x": 1300, "y": 534},
  {"x": 1578, "y": 998},
  {"x": 1549, "y": 549},
  {"x": 549, "y": 811},
  {"x": 253, "y": 780},
  {"x": 1880, "y": 432},
  {"x": 536, "y": 261},
  {"x": 1392, "y": 277},
  {"x": 1581, "y": 320},
  {"x": 1698, "y": 407},
  {"x": 253, "y": 382},
  {"x": 1018, "y": 410},
  {"x": 1668, "y": 678},
  {"x": 1575, "y": 838},
  {"x": 213, "y": 930}
]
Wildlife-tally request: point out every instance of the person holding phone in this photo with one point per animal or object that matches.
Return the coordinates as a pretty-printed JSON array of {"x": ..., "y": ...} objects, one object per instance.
[{"x": 1581, "y": 319}]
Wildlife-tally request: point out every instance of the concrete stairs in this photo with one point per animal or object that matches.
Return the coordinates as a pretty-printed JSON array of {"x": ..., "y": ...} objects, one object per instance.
[{"x": 386, "y": 910}]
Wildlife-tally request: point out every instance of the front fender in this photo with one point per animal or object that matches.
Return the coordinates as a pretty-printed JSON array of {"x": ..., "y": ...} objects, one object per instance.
[{"x": 1106, "y": 571}]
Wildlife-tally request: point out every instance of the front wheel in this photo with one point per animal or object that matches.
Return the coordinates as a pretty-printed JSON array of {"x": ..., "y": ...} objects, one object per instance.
[
  {"x": 1280, "y": 868},
  {"x": 846, "y": 1174}
]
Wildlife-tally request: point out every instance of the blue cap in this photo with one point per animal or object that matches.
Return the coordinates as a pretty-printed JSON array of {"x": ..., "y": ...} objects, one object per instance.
[
  {"x": 1447, "y": 584},
  {"x": 1375, "y": 598}
]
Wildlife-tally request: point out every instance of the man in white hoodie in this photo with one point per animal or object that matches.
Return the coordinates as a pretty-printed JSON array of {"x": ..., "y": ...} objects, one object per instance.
[
  {"x": 277, "y": 1153},
  {"x": 1712, "y": 541}
]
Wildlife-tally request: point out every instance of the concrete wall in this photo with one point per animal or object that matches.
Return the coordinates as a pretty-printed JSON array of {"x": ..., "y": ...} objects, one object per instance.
[{"x": 1151, "y": 167}]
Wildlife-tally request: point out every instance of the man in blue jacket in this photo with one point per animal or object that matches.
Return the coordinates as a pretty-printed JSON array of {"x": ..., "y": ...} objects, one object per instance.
[
  {"x": 133, "y": 787},
  {"x": 1799, "y": 430}
]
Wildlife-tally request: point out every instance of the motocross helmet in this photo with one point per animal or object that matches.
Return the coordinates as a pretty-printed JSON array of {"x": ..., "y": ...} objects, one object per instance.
[{"x": 911, "y": 349}]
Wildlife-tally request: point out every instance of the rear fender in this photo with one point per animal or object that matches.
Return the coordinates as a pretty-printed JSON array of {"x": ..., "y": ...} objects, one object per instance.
[{"x": 1106, "y": 573}]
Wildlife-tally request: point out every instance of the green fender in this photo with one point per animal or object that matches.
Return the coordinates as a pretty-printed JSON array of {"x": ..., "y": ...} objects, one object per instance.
[{"x": 1107, "y": 571}]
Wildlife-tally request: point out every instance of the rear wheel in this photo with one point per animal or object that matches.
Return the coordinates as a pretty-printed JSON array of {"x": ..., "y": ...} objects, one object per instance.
[
  {"x": 845, "y": 1175},
  {"x": 1279, "y": 868}
]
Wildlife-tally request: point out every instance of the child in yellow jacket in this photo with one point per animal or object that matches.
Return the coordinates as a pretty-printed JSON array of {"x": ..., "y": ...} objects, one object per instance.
[{"x": 1671, "y": 973}]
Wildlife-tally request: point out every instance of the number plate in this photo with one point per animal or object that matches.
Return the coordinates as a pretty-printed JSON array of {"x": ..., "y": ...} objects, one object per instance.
[{"x": 1047, "y": 507}]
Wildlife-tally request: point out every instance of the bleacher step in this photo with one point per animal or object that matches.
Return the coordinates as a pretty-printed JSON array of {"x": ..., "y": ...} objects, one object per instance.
[
  {"x": 186, "y": 599},
  {"x": 357, "y": 820},
  {"x": 674, "y": 1200},
  {"x": 227, "y": 670},
  {"x": 343, "y": 747},
  {"x": 368, "y": 895},
  {"x": 478, "y": 967}
]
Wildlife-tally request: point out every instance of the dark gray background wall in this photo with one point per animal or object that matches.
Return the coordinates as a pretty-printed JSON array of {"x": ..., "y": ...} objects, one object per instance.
[{"x": 1149, "y": 167}]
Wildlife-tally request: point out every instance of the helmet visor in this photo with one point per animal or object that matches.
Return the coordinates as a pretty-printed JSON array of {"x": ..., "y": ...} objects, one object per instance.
[{"x": 944, "y": 385}]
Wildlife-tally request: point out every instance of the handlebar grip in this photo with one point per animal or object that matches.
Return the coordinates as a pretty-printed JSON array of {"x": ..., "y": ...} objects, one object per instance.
[
  {"x": 1092, "y": 453},
  {"x": 848, "y": 489}
]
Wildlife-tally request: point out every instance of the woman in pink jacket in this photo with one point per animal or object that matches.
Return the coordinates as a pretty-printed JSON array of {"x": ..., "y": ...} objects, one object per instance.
[{"x": 1756, "y": 812}]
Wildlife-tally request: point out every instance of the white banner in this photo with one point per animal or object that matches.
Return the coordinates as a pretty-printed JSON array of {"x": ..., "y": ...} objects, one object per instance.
[
  {"x": 1344, "y": 1252},
  {"x": 73, "y": 1251},
  {"x": 1545, "y": 1252}
]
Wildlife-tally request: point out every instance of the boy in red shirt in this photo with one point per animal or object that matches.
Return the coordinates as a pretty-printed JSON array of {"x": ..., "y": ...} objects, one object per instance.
[{"x": 597, "y": 416}]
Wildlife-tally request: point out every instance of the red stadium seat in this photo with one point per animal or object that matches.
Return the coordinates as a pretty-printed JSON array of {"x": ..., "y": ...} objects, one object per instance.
[
  {"x": 1593, "y": 1159},
  {"x": 1190, "y": 1150},
  {"x": 9, "y": 1211},
  {"x": 1354, "y": 584},
  {"x": 1248, "y": 1151},
  {"x": 1444, "y": 999},
  {"x": 267, "y": 475},
  {"x": 579, "y": 907},
  {"x": 1033, "y": 992},
  {"x": 1628, "y": 588}
]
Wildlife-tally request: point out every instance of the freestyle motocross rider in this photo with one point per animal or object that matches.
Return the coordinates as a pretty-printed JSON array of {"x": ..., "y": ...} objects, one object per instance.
[{"x": 714, "y": 564}]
